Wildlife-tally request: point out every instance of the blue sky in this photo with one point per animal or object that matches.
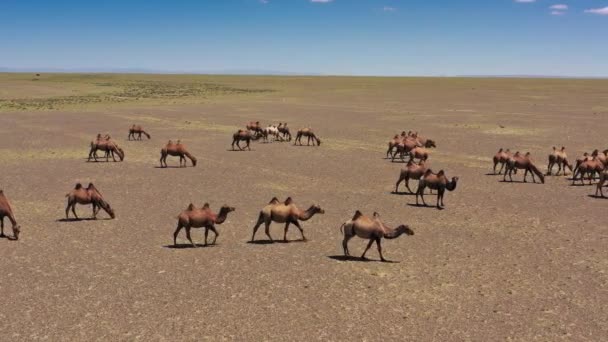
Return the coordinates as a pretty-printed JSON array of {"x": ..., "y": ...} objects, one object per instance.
[{"x": 346, "y": 37}]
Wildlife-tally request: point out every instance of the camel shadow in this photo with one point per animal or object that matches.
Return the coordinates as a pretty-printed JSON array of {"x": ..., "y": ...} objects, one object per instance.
[
  {"x": 83, "y": 219},
  {"x": 579, "y": 184},
  {"x": 493, "y": 174},
  {"x": 358, "y": 259},
  {"x": 171, "y": 167},
  {"x": 189, "y": 245},
  {"x": 270, "y": 242},
  {"x": 231, "y": 150},
  {"x": 598, "y": 197},
  {"x": 517, "y": 181},
  {"x": 402, "y": 193},
  {"x": 425, "y": 206}
]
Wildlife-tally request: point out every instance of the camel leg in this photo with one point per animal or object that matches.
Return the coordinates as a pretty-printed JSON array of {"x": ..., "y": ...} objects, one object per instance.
[
  {"x": 206, "y": 234},
  {"x": 369, "y": 245},
  {"x": 67, "y": 210},
  {"x": 525, "y": 175},
  {"x": 214, "y": 232},
  {"x": 176, "y": 233},
  {"x": 74, "y": 210},
  {"x": 2, "y": 227},
  {"x": 308, "y": 143},
  {"x": 267, "y": 229},
  {"x": 407, "y": 185},
  {"x": 495, "y": 164},
  {"x": 94, "y": 211},
  {"x": 502, "y": 166},
  {"x": 421, "y": 193},
  {"x": 347, "y": 238},
  {"x": 238, "y": 144},
  {"x": 189, "y": 237},
  {"x": 285, "y": 231},
  {"x": 401, "y": 179},
  {"x": 248, "y": 142},
  {"x": 532, "y": 173},
  {"x": 297, "y": 224},
  {"x": 379, "y": 243},
  {"x": 440, "y": 194},
  {"x": 257, "y": 225}
]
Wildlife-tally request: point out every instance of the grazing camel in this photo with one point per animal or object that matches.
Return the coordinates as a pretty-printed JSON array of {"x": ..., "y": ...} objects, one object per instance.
[
  {"x": 200, "y": 218},
  {"x": 243, "y": 135},
  {"x": 90, "y": 195},
  {"x": 589, "y": 167},
  {"x": 411, "y": 171},
  {"x": 284, "y": 130},
  {"x": 559, "y": 158},
  {"x": 177, "y": 150},
  {"x": 287, "y": 213},
  {"x": 600, "y": 184},
  {"x": 501, "y": 158},
  {"x": 137, "y": 129},
  {"x": 517, "y": 161},
  {"x": 406, "y": 145},
  {"x": 437, "y": 182},
  {"x": 107, "y": 145},
  {"x": 307, "y": 132},
  {"x": 371, "y": 228},
  {"x": 7, "y": 211},
  {"x": 271, "y": 131}
]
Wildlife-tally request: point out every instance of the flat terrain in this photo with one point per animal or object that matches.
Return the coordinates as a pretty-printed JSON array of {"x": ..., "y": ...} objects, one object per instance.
[{"x": 502, "y": 262}]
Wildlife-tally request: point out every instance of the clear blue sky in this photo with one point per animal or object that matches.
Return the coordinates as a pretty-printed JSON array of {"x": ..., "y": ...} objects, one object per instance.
[{"x": 357, "y": 37}]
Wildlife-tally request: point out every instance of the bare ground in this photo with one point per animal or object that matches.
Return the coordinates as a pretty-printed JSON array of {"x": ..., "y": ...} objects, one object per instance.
[{"x": 503, "y": 261}]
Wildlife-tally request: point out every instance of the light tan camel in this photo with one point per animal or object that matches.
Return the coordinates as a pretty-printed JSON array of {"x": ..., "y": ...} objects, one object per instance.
[
  {"x": 411, "y": 171},
  {"x": 7, "y": 211},
  {"x": 396, "y": 140},
  {"x": 419, "y": 153},
  {"x": 137, "y": 129},
  {"x": 243, "y": 135},
  {"x": 287, "y": 213},
  {"x": 107, "y": 145},
  {"x": 589, "y": 167},
  {"x": 517, "y": 161},
  {"x": 501, "y": 158},
  {"x": 83, "y": 196},
  {"x": 371, "y": 228},
  {"x": 307, "y": 132},
  {"x": 559, "y": 158},
  {"x": 177, "y": 150},
  {"x": 437, "y": 182},
  {"x": 201, "y": 218}
]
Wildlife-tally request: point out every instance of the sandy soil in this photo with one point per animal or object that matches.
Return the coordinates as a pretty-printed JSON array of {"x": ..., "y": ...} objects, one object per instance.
[{"x": 503, "y": 261}]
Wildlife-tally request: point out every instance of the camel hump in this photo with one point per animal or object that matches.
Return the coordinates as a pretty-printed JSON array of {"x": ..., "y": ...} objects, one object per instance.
[
  {"x": 206, "y": 206},
  {"x": 357, "y": 215},
  {"x": 274, "y": 200},
  {"x": 376, "y": 214},
  {"x": 500, "y": 150},
  {"x": 428, "y": 172},
  {"x": 440, "y": 173},
  {"x": 288, "y": 201},
  {"x": 78, "y": 186},
  {"x": 190, "y": 207},
  {"x": 91, "y": 186}
]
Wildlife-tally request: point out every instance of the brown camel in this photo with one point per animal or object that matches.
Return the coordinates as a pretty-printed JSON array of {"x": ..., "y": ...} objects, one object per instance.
[
  {"x": 501, "y": 158},
  {"x": 392, "y": 144},
  {"x": 137, "y": 129},
  {"x": 437, "y": 182},
  {"x": 579, "y": 160},
  {"x": 419, "y": 153},
  {"x": 425, "y": 142},
  {"x": 559, "y": 158},
  {"x": 177, "y": 150},
  {"x": 411, "y": 171},
  {"x": 600, "y": 184},
  {"x": 284, "y": 130},
  {"x": 201, "y": 218},
  {"x": 406, "y": 145},
  {"x": 371, "y": 228},
  {"x": 287, "y": 213},
  {"x": 83, "y": 196},
  {"x": 106, "y": 144},
  {"x": 243, "y": 135},
  {"x": 307, "y": 132},
  {"x": 7, "y": 211},
  {"x": 517, "y": 161},
  {"x": 589, "y": 167},
  {"x": 256, "y": 128}
]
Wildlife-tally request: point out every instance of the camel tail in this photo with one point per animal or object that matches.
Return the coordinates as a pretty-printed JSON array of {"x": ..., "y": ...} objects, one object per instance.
[
  {"x": 538, "y": 173},
  {"x": 342, "y": 228}
]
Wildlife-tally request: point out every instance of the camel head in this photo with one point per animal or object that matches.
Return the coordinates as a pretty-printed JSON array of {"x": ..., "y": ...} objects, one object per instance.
[
  {"x": 404, "y": 229},
  {"x": 451, "y": 186},
  {"x": 430, "y": 143},
  {"x": 318, "y": 142},
  {"x": 227, "y": 208},
  {"x": 16, "y": 231},
  {"x": 317, "y": 209},
  {"x": 595, "y": 152},
  {"x": 111, "y": 212}
]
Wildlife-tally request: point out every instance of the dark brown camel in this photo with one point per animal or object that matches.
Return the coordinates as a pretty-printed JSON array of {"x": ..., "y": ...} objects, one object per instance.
[
  {"x": 517, "y": 161},
  {"x": 284, "y": 130},
  {"x": 7, "y": 211},
  {"x": 83, "y": 196},
  {"x": 200, "y": 218},
  {"x": 137, "y": 129},
  {"x": 177, "y": 150},
  {"x": 243, "y": 135},
  {"x": 307, "y": 132},
  {"x": 437, "y": 182},
  {"x": 589, "y": 167}
]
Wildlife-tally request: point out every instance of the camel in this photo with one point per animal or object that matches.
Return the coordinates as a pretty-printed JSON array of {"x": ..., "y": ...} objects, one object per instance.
[
  {"x": 601, "y": 156},
  {"x": 428, "y": 143},
  {"x": 517, "y": 161},
  {"x": 370, "y": 228},
  {"x": 590, "y": 167},
  {"x": 559, "y": 158},
  {"x": 255, "y": 127},
  {"x": 137, "y": 129},
  {"x": 600, "y": 184},
  {"x": 287, "y": 213},
  {"x": 272, "y": 131},
  {"x": 177, "y": 150},
  {"x": 7, "y": 211},
  {"x": 437, "y": 182},
  {"x": 406, "y": 145},
  {"x": 579, "y": 160},
  {"x": 419, "y": 153},
  {"x": 284, "y": 130},
  {"x": 392, "y": 144},
  {"x": 90, "y": 195},
  {"x": 411, "y": 171},
  {"x": 307, "y": 132},
  {"x": 106, "y": 144},
  {"x": 243, "y": 135},
  {"x": 501, "y": 158},
  {"x": 201, "y": 218}
]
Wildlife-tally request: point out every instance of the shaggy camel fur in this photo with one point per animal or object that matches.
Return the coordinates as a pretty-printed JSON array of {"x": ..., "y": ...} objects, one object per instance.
[
  {"x": 600, "y": 184},
  {"x": 284, "y": 130},
  {"x": 201, "y": 218},
  {"x": 307, "y": 132},
  {"x": 137, "y": 129},
  {"x": 437, "y": 182},
  {"x": 243, "y": 135},
  {"x": 371, "y": 228},
  {"x": 177, "y": 150},
  {"x": 405, "y": 147},
  {"x": 559, "y": 158},
  {"x": 419, "y": 153},
  {"x": 7, "y": 211},
  {"x": 501, "y": 158},
  {"x": 107, "y": 145},
  {"x": 411, "y": 171},
  {"x": 397, "y": 139},
  {"x": 589, "y": 167},
  {"x": 287, "y": 213},
  {"x": 517, "y": 161},
  {"x": 83, "y": 196}
]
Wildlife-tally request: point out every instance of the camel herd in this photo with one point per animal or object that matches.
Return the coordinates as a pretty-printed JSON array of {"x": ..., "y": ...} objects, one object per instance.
[{"x": 254, "y": 131}]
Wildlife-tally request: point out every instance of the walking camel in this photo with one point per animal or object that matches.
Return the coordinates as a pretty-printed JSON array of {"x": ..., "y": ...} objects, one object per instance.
[
  {"x": 406, "y": 146},
  {"x": 7, "y": 211},
  {"x": 559, "y": 158},
  {"x": 243, "y": 135},
  {"x": 177, "y": 150},
  {"x": 517, "y": 161},
  {"x": 287, "y": 213},
  {"x": 201, "y": 218},
  {"x": 255, "y": 127},
  {"x": 86, "y": 196},
  {"x": 600, "y": 184},
  {"x": 589, "y": 167},
  {"x": 307, "y": 132},
  {"x": 411, "y": 171},
  {"x": 437, "y": 182},
  {"x": 501, "y": 158},
  {"x": 137, "y": 129},
  {"x": 371, "y": 228}
]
